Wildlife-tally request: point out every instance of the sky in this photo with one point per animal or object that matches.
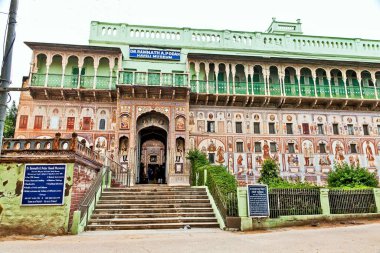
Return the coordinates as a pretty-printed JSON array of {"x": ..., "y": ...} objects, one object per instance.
[{"x": 68, "y": 21}]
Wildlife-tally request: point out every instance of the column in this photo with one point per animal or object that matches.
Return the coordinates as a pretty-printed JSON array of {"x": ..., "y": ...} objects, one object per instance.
[
  {"x": 80, "y": 65},
  {"x": 266, "y": 81},
  {"x": 246, "y": 68},
  {"x": 315, "y": 84},
  {"x": 325, "y": 204},
  {"x": 228, "y": 77},
  {"x": 233, "y": 72},
  {"x": 49, "y": 59},
  {"x": 216, "y": 70},
  {"x": 360, "y": 87},
  {"x": 281, "y": 75},
  {"x": 344, "y": 76},
  {"x": 207, "y": 71},
  {"x": 374, "y": 83},
  {"x": 111, "y": 65},
  {"x": 298, "y": 75},
  {"x": 196, "y": 68},
  {"x": 64, "y": 64},
  {"x": 96, "y": 66},
  {"x": 328, "y": 76},
  {"x": 250, "y": 72}
]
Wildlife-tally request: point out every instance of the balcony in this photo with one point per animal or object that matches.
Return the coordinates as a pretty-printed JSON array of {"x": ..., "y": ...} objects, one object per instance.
[
  {"x": 73, "y": 81},
  {"x": 155, "y": 79}
]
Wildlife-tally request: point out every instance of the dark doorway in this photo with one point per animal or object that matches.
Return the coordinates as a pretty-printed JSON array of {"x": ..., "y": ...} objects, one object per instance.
[{"x": 152, "y": 155}]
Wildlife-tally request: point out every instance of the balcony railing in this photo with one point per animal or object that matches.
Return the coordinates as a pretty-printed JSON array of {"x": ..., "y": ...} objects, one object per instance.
[
  {"x": 338, "y": 90},
  {"x": 71, "y": 81},
  {"x": 156, "y": 79}
]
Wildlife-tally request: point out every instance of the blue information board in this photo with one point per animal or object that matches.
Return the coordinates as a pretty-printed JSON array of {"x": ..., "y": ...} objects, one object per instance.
[
  {"x": 44, "y": 184},
  {"x": 155, "y": 54},
  {"x": 258, "y": 200}
]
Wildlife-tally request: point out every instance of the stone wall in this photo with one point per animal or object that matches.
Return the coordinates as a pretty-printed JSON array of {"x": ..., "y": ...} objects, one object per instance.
[{"x": 17, "y": 219}]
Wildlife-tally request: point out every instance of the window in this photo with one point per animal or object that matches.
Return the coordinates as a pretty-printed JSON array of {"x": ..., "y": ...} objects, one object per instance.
[
  {"x": 291, "y": 148},
  {"x": 211, "y": 126},
  {"x": 353, "y": 148},
  {"x": 211, "y": 157},
  {"x": 38, "y": 122},
  {"x": 256, "y": 127},
  {"x": 239, "y": 128},
  {"x": 239, "y": 147},
  {"x": 378, "y": 129},
  {"x": 322, "y": 148},
  {"x": 102, "y": 124},
  {"x": 365, "y": 130},
  {"x": 305, "y": 128},
  {"x": 273, "y": 147},
  {"x": 86, "y": 123},
  {"x": 70, "y": 123},
  {"x": 289, "y": 128},
  {"x": 335, "y": 129},
  {"x": 350, "y": 129},
  {"x": 23, "y": 123},
  {"x": 258, "y": 147},
  {"x": 320, "y": 129},
  {"x": 272, "y": 130}
]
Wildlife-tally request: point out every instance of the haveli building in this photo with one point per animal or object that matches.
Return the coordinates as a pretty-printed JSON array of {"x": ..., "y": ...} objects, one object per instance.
[{"x": 146, "y": 95}]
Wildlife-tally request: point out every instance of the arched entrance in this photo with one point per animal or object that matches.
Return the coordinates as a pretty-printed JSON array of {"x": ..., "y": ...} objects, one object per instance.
[{"x": 152, "y": 145}]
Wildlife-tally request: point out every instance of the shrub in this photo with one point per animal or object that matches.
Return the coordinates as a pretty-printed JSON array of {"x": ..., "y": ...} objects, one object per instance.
[
  {"x": 346, "y": 175},
  {"x": 197, "y": 160},
  {"x": 270, "y": 172}
]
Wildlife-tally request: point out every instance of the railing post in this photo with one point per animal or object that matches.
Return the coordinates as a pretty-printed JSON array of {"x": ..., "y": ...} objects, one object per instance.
[
  {"x": 376, "y": 193},
  {"x": 325, "y": 204},
  {"x": 76, "y": 222},
  {"x": 205, "y": 177}
]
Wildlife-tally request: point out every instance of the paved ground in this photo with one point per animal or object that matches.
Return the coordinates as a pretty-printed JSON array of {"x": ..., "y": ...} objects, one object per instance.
[{"x": 357, "y": 238}]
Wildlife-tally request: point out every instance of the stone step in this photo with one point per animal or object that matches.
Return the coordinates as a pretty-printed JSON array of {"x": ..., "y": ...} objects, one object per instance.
[
  {"x": 151, "y": 220},
  {"x": 153, "y": 193},
  {"x": 151, "y": 215},
  {"x": 147, "y": 197},
  {"x": 155, "y": 190},
  {"x": 174, "y": 205},
  {"x": 151, "y": 210},
  {"x": 154, "y": 226},
  {"x": 152, "y": 201}
]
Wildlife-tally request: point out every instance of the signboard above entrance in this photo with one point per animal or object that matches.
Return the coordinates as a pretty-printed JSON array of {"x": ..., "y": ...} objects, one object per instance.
[{"x": 155, "y": 53}]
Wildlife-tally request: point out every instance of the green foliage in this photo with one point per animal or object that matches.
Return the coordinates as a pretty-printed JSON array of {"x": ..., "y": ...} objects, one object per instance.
[
  {"x": 10, "y": 121},
  {"x": 197, "y": 160},
  {"x": 270, "y": 172},
  {"x": 270, "y": 175},
  {"x": 349, "y": 176}
]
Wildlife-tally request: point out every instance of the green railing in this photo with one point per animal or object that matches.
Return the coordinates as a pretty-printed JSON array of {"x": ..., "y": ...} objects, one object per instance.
[
  {"x": 193, "y": 85},
  {"x": 211, "y": 87},
  {"x": 54, "y": 80},
  {"x": 291, "y": 89},
  {"x": 102, "y": 82},
  {"x": 259, "y": 88},
  {"x": 369, "y": 92},
  {"x": 70, "y": 81},
  {"x": 353, "y": 92},
  {"x": 323, "y": 91},
  {"x": 155, "y": 79},
  {"x": 307, "y": 90},
  {"x": 338, "y": 91},
  {"x": 87, "y": 82},
  {"x": 275, "y": 89},
  {"x": 222, "y": 87},
  {"x": 241, "y": 88},
  {"x": 38, "y": 80},
  {"x": 202, "y": 86}
]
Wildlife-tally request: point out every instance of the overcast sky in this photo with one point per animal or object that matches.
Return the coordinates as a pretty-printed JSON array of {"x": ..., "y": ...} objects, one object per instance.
[{"x": 68, "y": 21}]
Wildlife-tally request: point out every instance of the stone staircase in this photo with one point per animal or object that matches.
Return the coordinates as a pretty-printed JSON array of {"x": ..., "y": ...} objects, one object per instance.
[{"x": 152, "y": 207}]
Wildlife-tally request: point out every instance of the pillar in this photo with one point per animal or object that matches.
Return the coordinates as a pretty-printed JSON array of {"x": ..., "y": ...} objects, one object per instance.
[
  {"x": 246, "y": 68},
  {"x": 112, "y": 65},
  {"x": 207, "y": 71},
  {"x": 80, "y": 65},
  {"x": 315, "y": 85},
  {"x": 374, "y": 83},
  {"x": 227, "y": 69},
  {"x": 360, "y": 87},
  {"x": 216, "y": 70},
  {"x": 196, "y": 68},
  {"x": 328, "y": 76},
  {"x": 325, "y": 204},
  {"x": 344, "y": 76},
  {"x": 233, "y": 72},
  {"x": 266, "y": 74},
  {"x": 250, "y": 72},
  {"x": 49, "y": 59},
  {"x": 64, "y": 64},
  {"x": 376, "y": 193},
  {"x": 298, "y": 75},
  {"x": 96, "y": 66}
]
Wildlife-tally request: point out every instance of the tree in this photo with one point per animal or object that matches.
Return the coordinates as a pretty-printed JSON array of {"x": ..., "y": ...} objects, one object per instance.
[
  {"x": 10, "y": 121},
  {"x": 270, "y": 172}
]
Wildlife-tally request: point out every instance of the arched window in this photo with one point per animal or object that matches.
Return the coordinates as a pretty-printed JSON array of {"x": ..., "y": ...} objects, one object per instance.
[{"x": 102, "y": 124}]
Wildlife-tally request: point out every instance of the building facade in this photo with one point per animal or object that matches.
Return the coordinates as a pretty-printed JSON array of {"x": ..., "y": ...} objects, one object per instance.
[{"x": 146, "y": 95}]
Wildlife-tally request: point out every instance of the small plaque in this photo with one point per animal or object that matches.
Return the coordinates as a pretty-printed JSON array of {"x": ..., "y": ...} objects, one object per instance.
[{"x": 258, "y": 200}]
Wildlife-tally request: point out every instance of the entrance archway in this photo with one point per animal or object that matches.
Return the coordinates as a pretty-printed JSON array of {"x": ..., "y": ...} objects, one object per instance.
[{"x": 152, "y": 145}]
